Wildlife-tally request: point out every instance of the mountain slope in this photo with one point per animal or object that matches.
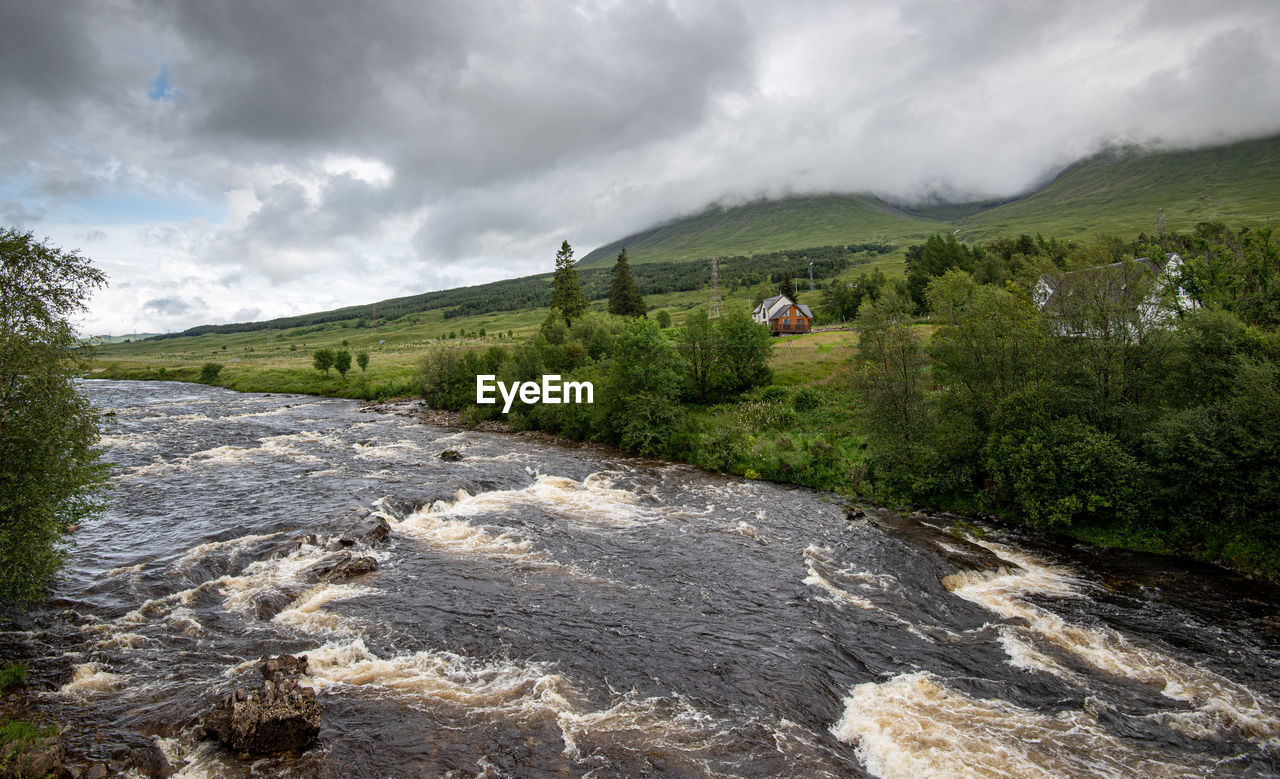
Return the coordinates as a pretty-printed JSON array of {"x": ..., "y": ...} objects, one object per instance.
[
  {"x": 767, "y": 226},
  {"x": 1119, "y": 191}
]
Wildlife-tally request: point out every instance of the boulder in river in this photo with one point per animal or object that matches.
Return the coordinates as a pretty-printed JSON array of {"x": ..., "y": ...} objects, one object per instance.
[
  {"x": 341, "y": 565},
  {"x": 369, "y": 530},
  {"x": 151, "y": 761},
  {"x": 451, "y": 455},
  {"x": 278, "y": 716}
]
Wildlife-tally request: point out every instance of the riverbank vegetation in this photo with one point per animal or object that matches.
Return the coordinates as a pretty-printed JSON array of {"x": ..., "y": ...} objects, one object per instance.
[
  {"x": 50, "y": 474},
  {"x": 1100, "y": 391}
]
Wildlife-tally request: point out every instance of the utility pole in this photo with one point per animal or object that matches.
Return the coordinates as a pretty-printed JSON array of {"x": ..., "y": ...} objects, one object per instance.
[
  {"x": 374, "y": 319},
  {"x": 811, "y": 275},
  {"x": 715, "y": 308},
  {"x": 1160, "y": 223}
]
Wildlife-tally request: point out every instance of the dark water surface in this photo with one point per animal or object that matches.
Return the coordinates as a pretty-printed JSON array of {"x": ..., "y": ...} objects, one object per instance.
[{"x": 542, "y": 609}]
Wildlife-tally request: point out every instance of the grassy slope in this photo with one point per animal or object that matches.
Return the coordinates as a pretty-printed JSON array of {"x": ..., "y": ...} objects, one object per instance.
[
  {"x": 769, "y": 225},
  {"x": 1119, "y": 192}
]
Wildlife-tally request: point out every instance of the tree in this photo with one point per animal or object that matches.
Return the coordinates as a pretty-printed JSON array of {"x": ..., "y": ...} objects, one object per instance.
[
  {"x": 643, "y": 379},
  {"x": 323, "y": 360},
  {"x": 362, "y": 359},
  {"x": 342, "y": 361},
  {"x": 663, "y": 318},
  {"x": 892, "y": 380},
  {"x": 787, "y": 287},
  {"x": 698, "y": 346},
  {"x": 50, "y": 473},
  {"x": 624, "y": 299},
  {"x": 935, "y": 257},
  {"x": 743, "y": 348},
  {"x": 988, "y": 345},
  {"x": 841, "y": 300},
  {"x": 566, "y": 294}
]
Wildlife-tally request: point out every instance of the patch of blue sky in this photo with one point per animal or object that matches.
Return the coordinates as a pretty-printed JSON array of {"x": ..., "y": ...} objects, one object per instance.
[
  {"x": 160, "y": 88},
  {"x": 129, "y": 207}
]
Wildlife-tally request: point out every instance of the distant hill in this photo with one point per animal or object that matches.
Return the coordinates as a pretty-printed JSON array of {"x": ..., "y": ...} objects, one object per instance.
[
  {"x": 768, "y": 226},
  {"x": 1117, "y": 191},
  {"x": 115, "y": 339}
]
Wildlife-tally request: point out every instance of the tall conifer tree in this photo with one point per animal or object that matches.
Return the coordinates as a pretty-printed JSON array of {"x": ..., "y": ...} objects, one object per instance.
[
  {"x": 566, "y": 294},
  {"x": 624, "y": 298},
  {"x": 788, "y": 287}
]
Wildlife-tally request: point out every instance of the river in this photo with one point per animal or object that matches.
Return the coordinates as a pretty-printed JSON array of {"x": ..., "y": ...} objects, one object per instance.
[{"x": 550, "y": 609}]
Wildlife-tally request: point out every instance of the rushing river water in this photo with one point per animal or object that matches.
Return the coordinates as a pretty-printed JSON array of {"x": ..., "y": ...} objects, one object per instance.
[{"x": 542, "y": 609}]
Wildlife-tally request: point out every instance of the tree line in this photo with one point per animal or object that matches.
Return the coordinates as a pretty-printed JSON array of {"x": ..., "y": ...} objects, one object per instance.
[{"x": 1107, "y": 409}]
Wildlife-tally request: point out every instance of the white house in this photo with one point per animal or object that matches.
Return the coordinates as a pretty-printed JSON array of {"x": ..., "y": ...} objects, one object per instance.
[{"x": 1084, "y": 301}]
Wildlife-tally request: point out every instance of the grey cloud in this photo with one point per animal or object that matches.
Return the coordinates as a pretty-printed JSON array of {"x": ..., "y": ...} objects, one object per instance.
[
  {"x": 507, "y": 126},
  {"x": 171, "y": 307}
]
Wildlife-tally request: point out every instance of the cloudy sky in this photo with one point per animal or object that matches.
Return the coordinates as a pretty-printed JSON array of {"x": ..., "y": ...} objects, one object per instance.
[{"x": 226, "y": 161}]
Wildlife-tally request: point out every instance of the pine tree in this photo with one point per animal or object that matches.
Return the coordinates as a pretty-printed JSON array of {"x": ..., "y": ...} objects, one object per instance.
[
  {"x": 624, "y": 299},
  {"x": 566, "y": 294},
  {"x": 788, "y": 287}
]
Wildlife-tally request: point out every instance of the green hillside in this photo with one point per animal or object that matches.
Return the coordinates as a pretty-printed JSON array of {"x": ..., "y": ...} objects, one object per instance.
[
  {"x": 769, "y": 226},
  {"x": 1119, "y": 192}
]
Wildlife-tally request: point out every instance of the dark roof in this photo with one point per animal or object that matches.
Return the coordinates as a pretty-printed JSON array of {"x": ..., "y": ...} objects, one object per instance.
[{"x": 769, "y": 303}]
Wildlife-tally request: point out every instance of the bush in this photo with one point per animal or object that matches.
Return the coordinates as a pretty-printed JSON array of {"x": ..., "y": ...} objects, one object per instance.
[
  {"x": 209, "y": 372},
  {"x": 651, "y": 424},
  {"x": 13, "y": 674},
  {"x": 723, "y": 449},
  {"x": 1056, "y": 473},
  {"x": 806, "y": 399},
  {"x": 774, "y": 394}
]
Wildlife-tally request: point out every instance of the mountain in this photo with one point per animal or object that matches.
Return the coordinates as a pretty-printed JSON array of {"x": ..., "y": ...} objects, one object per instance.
[
  {"x": 1120, "y": 190},
  {"x": 769, "y": 226},
  {"x": 1116, "y": 191}
]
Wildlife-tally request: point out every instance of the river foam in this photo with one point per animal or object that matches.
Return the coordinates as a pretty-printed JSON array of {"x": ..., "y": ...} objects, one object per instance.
[
  {"x": 915, "y": 725},
  {"x": 1220, "y": 705}
]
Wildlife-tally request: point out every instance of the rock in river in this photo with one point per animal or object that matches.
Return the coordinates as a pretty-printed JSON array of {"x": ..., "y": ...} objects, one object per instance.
[{"x": 278, "y": 716}]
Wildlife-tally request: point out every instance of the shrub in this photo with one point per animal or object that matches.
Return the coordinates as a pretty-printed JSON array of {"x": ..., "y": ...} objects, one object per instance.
[
  {"x": 774, "y": 394},
  {"x": 13, "y": 674},
  {"x": 651, "y": 423},
  {"x": 806, "y": 399},
  {"x": 209, "y": 372},
  {"x": 722, "y": 449}
]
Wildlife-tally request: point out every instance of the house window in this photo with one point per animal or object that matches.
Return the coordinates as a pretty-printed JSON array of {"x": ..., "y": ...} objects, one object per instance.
[{"x": 786, "y": 323}]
